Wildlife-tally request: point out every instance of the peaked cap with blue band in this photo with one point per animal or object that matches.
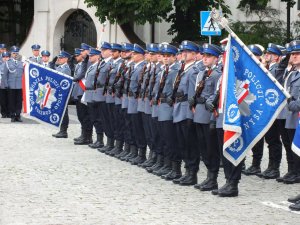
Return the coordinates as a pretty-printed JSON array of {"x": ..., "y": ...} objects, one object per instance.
[
  {"x": 152, "y": 48},
  {"x": 273, "y": 48},
  {"x": 115, "y": 46},
  {"x": 77, "y": 51},
  {"x": 212, "y": 49},
  {"x": 169, "y": 49},
  {"x": 45, "y": 53},
  {"x": 94, "y": 51},
  {"x": 6, "y": 54},
  {"x": 14, "y": 49},
  {"x": 190, "y": 46},
  {"x": 295, "y": 46},
  {"x": 85, "y": 46},
  {"x": 255, "y": 50},
  {"x": 126, "y": 47},
  {"x": 105, "y": 45},
  {"x": 138, "y": 49},
  {"x": 35, "y": 47},
  {"x": 2, "y": 45},
  {"x": 64, "y": 54}
]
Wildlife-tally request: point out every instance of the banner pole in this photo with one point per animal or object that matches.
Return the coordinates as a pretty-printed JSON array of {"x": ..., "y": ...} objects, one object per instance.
[{"x": 223, "y": 23}]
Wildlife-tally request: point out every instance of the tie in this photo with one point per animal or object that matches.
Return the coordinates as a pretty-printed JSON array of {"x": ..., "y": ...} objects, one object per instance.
[{"x": 16, "y": 62}]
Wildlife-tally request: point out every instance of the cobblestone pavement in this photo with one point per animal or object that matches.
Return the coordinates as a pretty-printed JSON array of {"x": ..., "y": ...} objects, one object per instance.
[{"x": 48, "y": 181}]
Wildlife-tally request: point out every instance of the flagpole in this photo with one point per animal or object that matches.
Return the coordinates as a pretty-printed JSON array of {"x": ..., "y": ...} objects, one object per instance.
[{"x": 223, "y": 23}]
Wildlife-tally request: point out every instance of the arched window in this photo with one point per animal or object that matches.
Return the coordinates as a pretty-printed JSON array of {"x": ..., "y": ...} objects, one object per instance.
[
  {"x": 16, "y": 17},
  {"x": 79, "y": 27}
]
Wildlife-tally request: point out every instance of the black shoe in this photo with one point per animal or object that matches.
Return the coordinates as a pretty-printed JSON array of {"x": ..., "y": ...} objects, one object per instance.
[
  {"x": 272, "y": 174},
  {"x": 80, "y": 137},
  {"x": 165, "y": 169},
  {"x": 287, "y": 177},
  {"x": 159, "y": 163},
  {"x": 175, "y": 173},
  {"x": 124, "y": 152},
  {"x": 98, "y": 143},
  {"x": 85, "y": 140},
  {"x": 140, "y": 158},
  {"x": 178, "y": 180},
  {"x": 215, "y": 192},
  {"x": 295, "y": 207},
  {"x": 61, "y": 134},
  {"x": 229, "y": 190},
  {"x": 292, "y": 179},
  {"x": 211, "y": 183},
  {"x": 117, "y": 149},
  {"x": 18, "y": 119},
  {"x": 294, "y": 199},
  {"x": 133, "y": 153},
  {"x": 13, "y": 119},
  {"x": 189, "y": 180},
  {"x": 252, "y": 170},
  {"x": 150, "y": 161}
]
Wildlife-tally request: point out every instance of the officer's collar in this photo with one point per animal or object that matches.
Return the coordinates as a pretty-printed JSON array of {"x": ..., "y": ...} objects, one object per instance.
[
  {"x": 107, "y": 59},
  {"x": 136, "y": 65},
  {"x": 117, "y": 59}
]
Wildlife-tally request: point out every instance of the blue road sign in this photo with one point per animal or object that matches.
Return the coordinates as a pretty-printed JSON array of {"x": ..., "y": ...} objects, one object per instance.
[{"x": 208, "y": 26}]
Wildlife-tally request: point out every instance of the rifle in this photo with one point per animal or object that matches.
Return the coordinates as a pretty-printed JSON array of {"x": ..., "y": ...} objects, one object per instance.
[
  {"x": 129, "y": 80},
  {"x": 97, "y": 74},
  {"x": 162, "y": 83},
  {"x": 107, "y": 80},
  {"x": 152, "y": 83},
  {"x": 147, "y": 81},
  {"x": 199, "y": 89},
  {"x": 138, "y": 90},
  {"x": 177, "y": 80},
  {"x": 122, "y": 70},
  {"x": 215, "y": 102}
]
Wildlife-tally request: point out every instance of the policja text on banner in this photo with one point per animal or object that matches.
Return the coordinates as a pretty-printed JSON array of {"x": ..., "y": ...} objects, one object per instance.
[{"x": 46, "y": 93}]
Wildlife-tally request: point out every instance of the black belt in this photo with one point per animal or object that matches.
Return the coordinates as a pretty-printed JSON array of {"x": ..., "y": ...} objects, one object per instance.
[
  {"x": 200, "y": 100},
  {"x": 132, "y": 94},
  {"x": 169, "y": 101},
  {"x": 99, "y": 86},
  {"x": 181, "y": 99}
]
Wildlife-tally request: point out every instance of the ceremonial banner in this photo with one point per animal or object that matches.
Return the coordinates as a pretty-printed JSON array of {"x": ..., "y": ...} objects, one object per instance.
[
  {"x": 45, "y": 93},
  {"x": 296, "y": 141},
  {"x": 253, "y": 99}
]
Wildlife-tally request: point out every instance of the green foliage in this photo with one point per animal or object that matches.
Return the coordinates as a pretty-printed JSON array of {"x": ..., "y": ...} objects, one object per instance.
[
  {"x": 124, "y": 11},
  {"x": 185, "y": 20}
]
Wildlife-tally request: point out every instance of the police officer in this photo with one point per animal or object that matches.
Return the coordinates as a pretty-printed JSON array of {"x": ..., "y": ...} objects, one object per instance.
[
  {"x": 12, "y": 77},
  {"x": 137, "y": 72},
  {"x": 165, "y": 112},
  {"x": 149, "y": 81},
  {"x": 293, "y": 84},
  {"x": 115, "y": 110},
  {"x": 100, "y": 98},
  {"x": 258, "y": 149},
  {"x": 64, "y": 68},
  {"x": 81, "y": 109},
  {"x": 3, "y": 87},
  {"x": 2, "y": 49},
  {"x": 93, "y": 106},
  {"x": 156, "y": 139},
  {"x": 36, "y": 54},
  {"x": 183, "y": 116},
  {"x": 45, "y": 59},
  {"x": 130, "y": 150},
  {"x": 206, "y": 83},
  {"x": 140, "y": 159},
  {"x": 272, "y": 137}
]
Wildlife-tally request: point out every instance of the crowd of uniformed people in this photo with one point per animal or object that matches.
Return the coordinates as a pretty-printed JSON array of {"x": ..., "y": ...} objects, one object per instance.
[{"x": 164, "y": 99}]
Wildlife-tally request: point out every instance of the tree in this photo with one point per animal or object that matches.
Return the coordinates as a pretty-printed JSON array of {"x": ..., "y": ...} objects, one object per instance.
[
  {"x": 137, "y": 11},
  {"x": 185, "y": 20}
]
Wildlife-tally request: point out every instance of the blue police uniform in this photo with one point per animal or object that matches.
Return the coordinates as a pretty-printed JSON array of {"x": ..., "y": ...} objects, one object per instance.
[
  {"x": 272, "y": 137},
  {"x": 36, "y": 59},
  {"x": 3, "y": 88},
  {"x": 81, "y": 109},
  {"x": 172, "y": 161},
  {"x": 12, "y": 79}
]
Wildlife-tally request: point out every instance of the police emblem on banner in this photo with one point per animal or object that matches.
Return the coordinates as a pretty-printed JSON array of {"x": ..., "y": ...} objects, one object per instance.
[
  {"x": 252, "y": 103},
  {"x": 46, "y": 93}
]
